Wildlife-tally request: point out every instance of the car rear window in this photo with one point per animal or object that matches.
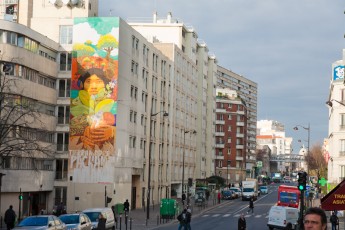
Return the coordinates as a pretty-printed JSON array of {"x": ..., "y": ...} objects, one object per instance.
[
  {"x": 34, "y": 221},
  {"x": 93, "y": 216}
]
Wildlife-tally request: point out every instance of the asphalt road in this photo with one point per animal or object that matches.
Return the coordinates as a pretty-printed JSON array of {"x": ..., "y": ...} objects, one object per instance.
[{"x": 225, "y": 216}]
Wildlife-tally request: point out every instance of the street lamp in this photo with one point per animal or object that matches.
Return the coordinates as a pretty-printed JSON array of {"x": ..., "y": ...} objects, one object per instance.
[
  {"x": 165, "y": 114},
  {"x": 308, "y": 129},
  {"x": 184, "y": 152},
  {"x": 330, "y": 104},
  {"x": 227, "y": 172}
]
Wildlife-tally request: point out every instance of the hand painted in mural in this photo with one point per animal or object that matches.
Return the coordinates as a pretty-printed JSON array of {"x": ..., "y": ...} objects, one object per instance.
[{"x": 94, "y": 109}]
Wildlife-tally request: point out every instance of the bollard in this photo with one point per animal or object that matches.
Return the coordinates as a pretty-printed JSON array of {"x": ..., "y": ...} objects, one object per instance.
[
  {"x": 120, "y": 221},
  {"x": 126, "y": 219},
  {"x": 130, "y": 223},
  {"x": 157, "y": 220}
]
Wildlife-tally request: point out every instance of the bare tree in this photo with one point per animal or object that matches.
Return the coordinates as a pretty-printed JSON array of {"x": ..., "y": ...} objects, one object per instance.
[
  {"x": 316, "y": 162},
  {"x": 22, "y": 132}
]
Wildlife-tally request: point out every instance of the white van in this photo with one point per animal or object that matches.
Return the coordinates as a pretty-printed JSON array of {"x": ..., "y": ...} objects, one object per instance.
[
  {"x": 93, "y": 213},
  {"x": 283, "y": 218}
]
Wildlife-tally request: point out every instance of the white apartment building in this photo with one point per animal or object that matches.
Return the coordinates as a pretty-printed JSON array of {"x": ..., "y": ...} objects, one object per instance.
[
  {"x": 336, "y": 117},
  {"x": 153, "y": 77},
  {"x": 272, "y": 134}
]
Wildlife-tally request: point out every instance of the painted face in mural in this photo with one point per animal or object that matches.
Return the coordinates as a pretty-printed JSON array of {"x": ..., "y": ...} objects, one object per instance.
[{"x": 93, "y": 84}]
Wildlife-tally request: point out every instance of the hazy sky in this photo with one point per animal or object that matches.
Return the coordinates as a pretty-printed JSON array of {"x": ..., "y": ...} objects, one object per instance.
[{"x": 287, "y": 47}]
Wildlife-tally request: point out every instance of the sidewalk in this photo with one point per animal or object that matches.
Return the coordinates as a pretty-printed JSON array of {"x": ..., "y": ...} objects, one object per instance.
[{"x": 139, "y": 216}]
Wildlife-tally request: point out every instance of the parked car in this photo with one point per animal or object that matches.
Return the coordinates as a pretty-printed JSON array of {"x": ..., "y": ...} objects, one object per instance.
[
  {"x": 263, "y": 189},
  {"x": 228, "y": 195},
  {"x": 93, "y": 214},
  {"x": 41, "y": 222},
  {"x": 237, "y": 191},
  {"x": 76, "y": 221}
]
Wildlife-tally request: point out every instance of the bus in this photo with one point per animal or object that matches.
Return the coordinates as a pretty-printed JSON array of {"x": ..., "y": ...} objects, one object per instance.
[{"x": 288, "y": 196}]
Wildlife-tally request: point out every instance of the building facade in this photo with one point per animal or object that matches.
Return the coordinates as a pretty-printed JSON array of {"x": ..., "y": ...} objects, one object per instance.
[
  {"x": 336, "y": 140},
  {"x": 231, "y": 136}
]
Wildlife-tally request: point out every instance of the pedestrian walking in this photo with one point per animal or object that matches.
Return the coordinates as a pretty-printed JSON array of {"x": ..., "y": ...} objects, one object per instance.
[
  {"x": 60, "y": 209},
  {"x": 315, "y": 219},
  {"x": 242, "y": 222},
  {"x": 183, "y": 219},
  {"x": 251, "y": 205},
  {"x": 189, "y": 218},
  {"x": 219, "y": 196},
  {"x": 126, "y": 206},
  {"x": 334, "y": 220},
  {"x": 10, "y": 218},
  {"x": 101, "y": 222}
]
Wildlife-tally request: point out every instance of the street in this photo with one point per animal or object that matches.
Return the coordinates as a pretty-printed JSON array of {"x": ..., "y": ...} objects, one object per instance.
[{"x": 225, "y": 216}]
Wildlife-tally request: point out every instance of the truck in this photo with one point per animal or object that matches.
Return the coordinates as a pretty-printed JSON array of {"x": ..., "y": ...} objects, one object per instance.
[{"x": 250, "y": 189}]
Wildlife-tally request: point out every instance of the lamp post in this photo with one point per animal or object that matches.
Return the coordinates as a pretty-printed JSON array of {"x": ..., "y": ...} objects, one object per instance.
[
  {"x": 308, "y": 129},
  {"x": 227, "y": 171},
  {"x": 149, "y": 167},
  {"x": 330, "y": 104},
  {"x": 184, "y": 153}
]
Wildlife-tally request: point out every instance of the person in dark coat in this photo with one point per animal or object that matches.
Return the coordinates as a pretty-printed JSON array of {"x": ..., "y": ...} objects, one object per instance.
[
  {"x": 101, "y": 222},
  {"x": 126, "y": 206},
  {"x": 251, "y": 205},
  {"x": 10, "y": 218},
  {"x": 242, "y": 222},
  {"x": 334, "y": 220}
]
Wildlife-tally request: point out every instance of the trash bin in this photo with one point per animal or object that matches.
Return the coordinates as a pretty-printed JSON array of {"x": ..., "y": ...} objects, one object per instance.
[
  {"x": 119, "y": 209},
  {"x": 168, "y": 208}
]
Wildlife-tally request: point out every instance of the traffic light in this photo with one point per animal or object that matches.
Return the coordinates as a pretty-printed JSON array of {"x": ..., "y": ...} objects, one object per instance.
[
  {"x": 20, "y": 197},
  {"x": 190, "y": 182},
  {"x": 302, "y": 181}
]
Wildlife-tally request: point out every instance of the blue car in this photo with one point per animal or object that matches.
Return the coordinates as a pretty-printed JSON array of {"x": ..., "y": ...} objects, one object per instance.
[{"x": 263, "y": 190}]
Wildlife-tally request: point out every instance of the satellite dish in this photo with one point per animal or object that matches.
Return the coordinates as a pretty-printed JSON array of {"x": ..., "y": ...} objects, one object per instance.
[
  {"x": 52, "y": 1},
  {"x": 58, "y": 3},
  {"x": 74, "y": 2},
  {"x": 80, "y": 3}
]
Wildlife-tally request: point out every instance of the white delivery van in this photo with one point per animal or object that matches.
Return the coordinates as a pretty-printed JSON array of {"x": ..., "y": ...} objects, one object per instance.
[
  {"x": 281, "y": 217},
  {"x": 93, "y": 213}
]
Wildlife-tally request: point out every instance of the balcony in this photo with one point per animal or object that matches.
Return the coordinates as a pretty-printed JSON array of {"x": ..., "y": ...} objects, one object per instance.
[
  {"x": 219, "y": 157},
  {"x": 218, "y": 110},
  {"x": 240, "y": 123},
  {"x": 220, "y": 122},
  {"x": 239, "y": 158},
  {"x": 239, "y": 135},
  {"x": 239, "y": 146},
  {"x": 219, "y": 134},
  {"x": 220, "y": 145}
]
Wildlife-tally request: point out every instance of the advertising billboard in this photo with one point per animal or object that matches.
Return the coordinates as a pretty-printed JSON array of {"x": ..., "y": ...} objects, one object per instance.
[{"x": 93, "y": 107}]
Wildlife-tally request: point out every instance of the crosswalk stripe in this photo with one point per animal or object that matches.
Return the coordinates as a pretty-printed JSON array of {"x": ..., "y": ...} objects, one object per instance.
[{"x": 226, "y": 215}]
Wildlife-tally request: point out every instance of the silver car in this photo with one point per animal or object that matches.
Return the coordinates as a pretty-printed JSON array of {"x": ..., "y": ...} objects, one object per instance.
[
  {"x": 76, "y": 221},
  {"x": 41, "y": 222}
]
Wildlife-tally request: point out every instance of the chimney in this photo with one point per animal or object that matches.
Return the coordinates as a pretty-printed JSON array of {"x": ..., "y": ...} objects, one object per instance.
[
  {"x": 155, "y": 17},
  {"x": 169, "y": 17}
]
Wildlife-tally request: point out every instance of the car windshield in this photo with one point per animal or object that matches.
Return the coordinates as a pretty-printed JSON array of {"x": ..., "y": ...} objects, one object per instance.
[
  {"x": 93, "y": 216},
  {"x": 263, "y": 187},
  {"x": 234, "y": 189},
  {"x": 34, "y": 221},
  {"x": 248, "y": 190},
  {"x": 70, "y": 219}
]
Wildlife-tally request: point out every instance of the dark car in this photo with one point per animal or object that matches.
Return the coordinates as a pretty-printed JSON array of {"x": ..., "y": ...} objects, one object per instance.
[
  {"x": 228, "y": 195},
  {"x": 76, "y": 221},
  {"x": 41, "y": 222}
]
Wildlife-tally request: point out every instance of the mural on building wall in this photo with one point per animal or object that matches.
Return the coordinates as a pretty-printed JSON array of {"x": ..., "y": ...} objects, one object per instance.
[{"x": 93, "y": 99}]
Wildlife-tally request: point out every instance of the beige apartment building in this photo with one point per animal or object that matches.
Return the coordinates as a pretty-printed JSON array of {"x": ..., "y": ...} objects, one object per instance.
[{"x": 156, "y": 75}]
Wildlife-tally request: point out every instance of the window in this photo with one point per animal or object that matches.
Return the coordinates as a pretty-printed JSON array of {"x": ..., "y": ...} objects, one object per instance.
[
  {"x": 132, "y": 141},
  {"x": 63, "y": 114},
  {"x": 62, "y": 141},
  {"x": 65, "y": 61},
  {"x": 61, "y": 169},
  {"x": 342, "y": 147},
  {"x": 64, "y": 87},
  {"x": 60, "y": 195},
  {"x": 66, "y": 33},
  {"x": 342, "y": 121}
]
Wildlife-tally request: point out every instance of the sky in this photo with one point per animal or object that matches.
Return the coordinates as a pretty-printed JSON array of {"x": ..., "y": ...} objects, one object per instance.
[{"x": 286, "y": 47}]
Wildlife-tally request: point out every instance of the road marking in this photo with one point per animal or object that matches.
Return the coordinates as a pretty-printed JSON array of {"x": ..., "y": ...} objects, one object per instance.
[
  {"x": 226, "y": 215},
  {"x": 215, "y": 215}
]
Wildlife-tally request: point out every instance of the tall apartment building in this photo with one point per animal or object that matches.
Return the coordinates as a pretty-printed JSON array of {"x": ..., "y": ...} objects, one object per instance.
[
  {"x": 336, "y": 119},
  {"x": 248, "y": 91},
  {"x": 170, "y": 30},
  {"x": 231, "y": 136},
  {"x": 147, "y": 79}
]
